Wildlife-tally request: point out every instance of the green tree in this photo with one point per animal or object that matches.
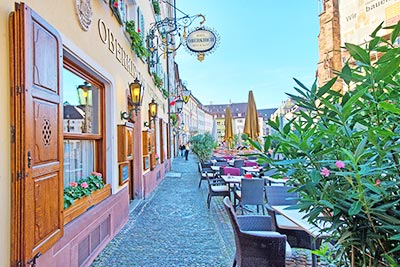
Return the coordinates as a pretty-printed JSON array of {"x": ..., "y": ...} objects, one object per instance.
[{"x": 342, "y": 154}]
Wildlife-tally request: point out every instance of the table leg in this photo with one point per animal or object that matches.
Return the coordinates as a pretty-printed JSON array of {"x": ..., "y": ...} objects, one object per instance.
[{"x": 313, "y": 256}]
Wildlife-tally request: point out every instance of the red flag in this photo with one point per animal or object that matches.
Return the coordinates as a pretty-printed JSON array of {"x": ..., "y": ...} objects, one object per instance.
[{"x": 173, "y": 101}]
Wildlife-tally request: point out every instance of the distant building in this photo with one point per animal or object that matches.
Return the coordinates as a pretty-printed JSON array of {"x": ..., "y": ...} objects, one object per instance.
[
  {"x": 238, "y": 111},
  {"x": 266, "y": 115}
]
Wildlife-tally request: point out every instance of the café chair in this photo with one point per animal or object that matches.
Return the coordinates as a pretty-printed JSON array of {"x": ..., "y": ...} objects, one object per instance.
[
  {"x": 251, "y": 193},
  {"x": 280, "y": 196},
  {"x": 256, "y": 243},
  {"x": 204, "y": 171},
  {"x": 250, "y": 164},
  {"x": 230, "y": 170},
  {"x": 239, "y": 163},
  {"x": 216, "y": 187}
]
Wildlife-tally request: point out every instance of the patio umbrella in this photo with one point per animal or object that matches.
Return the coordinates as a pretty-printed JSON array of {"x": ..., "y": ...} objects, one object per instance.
[
  {"x": 251, "y": 126},
  {"x": 228, "y": 127}
]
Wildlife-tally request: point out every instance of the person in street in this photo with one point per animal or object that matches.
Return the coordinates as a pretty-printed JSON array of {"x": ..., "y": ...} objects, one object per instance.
[
  {"x": 182, "y": 149},
  {"x": 186, "y": 151}
]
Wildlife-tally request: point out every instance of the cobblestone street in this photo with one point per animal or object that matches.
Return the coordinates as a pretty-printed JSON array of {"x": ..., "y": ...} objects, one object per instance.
[{"x": 173, "y": 227}]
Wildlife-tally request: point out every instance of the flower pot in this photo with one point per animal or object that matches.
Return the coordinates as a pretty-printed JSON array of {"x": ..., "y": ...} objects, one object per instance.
[{"x": 84, "y": 203}]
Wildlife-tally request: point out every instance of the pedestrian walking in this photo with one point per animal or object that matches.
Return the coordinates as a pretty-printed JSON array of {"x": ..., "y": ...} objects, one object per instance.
[
  {"x": 186, "y": 151},
  {"x": 182, "y": 149}
]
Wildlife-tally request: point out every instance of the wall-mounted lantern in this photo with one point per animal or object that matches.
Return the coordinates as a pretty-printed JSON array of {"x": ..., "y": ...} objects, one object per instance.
[
  {"x": 153, "y": 109},
  {"x": 135, "y": 99}
]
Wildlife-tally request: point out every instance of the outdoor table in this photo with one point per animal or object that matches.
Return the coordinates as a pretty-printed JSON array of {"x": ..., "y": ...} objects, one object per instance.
[
  {"x": 231, "y": 162},
  {"x": 230, "y": 179},
  {"x": 252, "y": 169},
  {"x": 297, "y": 217},
  {"x": 215, "y": 168},
  {"x": 275, "y": 180}
]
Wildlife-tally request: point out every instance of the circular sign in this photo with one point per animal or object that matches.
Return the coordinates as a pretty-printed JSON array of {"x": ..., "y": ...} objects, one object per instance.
[{"x": 201, "y": 40}]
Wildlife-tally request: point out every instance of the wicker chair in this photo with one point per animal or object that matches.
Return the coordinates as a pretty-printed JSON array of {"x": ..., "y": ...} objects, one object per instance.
[
  {"x": 256, "y": 244},
  {"x": 205, "y": 170},
  {"x": 251, "y": 193},
  {"x": 216, "y": 187},
  {"x": 279, "y": 195}
]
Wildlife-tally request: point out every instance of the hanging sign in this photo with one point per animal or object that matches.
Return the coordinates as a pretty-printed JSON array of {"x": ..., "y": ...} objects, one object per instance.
[{"x": 201, "y": 40}]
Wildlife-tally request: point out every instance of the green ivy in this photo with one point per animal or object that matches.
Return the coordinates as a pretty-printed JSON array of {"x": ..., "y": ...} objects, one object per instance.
[
  {"x": 174, "y": 119},
  {"x": 165, "y": 93},
  {"x": 156, "y": 7},
  {"x": 137, "y": 40},
  {"x": 157, "y": 81}
]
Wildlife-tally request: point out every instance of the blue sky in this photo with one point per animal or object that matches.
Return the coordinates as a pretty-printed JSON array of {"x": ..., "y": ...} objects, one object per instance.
[{"x": 264, "y": 44}]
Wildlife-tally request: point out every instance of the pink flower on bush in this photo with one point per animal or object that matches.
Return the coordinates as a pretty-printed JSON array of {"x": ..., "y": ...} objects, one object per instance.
[
  {"x": 325, "y": 172},
  {"x": 73, "y": 184},
  {"x": 378, "y": 182},
  {"x": 340, "y": 164},
  {"x": 84, "y": 185}
]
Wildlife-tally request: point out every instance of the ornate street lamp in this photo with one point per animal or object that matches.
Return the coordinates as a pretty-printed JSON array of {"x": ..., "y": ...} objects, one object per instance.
[
  {"x": 186, "y": 95},
  {"x": 134, "y": 99},
  {"x": 179, "y": 105}
]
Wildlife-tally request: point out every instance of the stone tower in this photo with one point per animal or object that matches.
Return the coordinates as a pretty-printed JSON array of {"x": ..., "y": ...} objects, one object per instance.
[{"x": 329, "y": 43}]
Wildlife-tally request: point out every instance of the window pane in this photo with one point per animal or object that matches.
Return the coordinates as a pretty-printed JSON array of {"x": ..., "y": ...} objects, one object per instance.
[
  {"x": 81, "y": 105},
  {"x": 78, "y": 159}
]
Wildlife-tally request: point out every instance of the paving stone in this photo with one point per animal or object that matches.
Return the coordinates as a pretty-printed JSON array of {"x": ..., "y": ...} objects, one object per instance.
[{"x": 174, "y": 228}]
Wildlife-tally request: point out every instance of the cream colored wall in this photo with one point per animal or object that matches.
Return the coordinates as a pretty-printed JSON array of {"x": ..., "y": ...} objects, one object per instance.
[
  {"x": 62, "y": 16},
  {"x": 5, "y": 176}
]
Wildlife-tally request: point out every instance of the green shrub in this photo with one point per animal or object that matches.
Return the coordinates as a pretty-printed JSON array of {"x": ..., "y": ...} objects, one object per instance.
[
  {"x": 202, "y": 146},
  {"x": 342, "y": 153}
]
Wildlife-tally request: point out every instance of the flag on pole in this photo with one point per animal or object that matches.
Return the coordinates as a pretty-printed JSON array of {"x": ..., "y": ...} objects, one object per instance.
[{"x": 173, "y": 100}]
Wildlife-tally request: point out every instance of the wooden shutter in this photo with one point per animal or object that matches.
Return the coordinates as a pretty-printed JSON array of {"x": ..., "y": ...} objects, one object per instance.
[{"x": 36, "y": 116}]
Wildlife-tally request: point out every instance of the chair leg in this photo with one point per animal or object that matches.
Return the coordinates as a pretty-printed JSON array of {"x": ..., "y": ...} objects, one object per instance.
[
  {"x": 234, "y": 263},
  {"x": 208, "y": 201},
  {"x": 201, "y": 179}
]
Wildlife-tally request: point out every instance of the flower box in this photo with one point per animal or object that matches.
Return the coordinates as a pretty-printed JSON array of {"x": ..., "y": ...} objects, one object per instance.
[{"x": 84, "y": 203}]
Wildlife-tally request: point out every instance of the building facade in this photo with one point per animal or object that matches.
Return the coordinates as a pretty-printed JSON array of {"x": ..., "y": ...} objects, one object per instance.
[
  {"x": 69, "y": 115},
  {"x": 349, "y": 21}
]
